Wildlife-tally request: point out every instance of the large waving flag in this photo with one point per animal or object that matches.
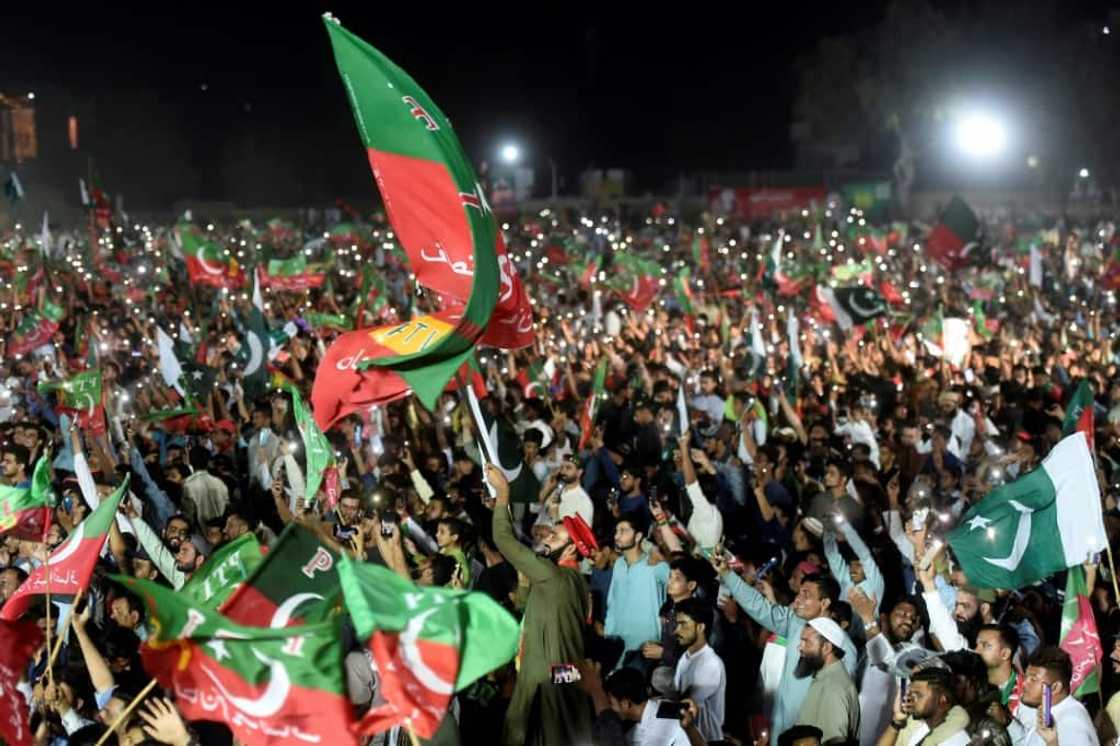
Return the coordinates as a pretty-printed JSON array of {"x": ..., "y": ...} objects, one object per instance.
[
  {"x": 428, "y": 643},
  {"x": 436, "y": 206},
  {"x": 1040, "y": 524},
  {"x": 207, "y": 262},
  {"x": 25, "y": 513},
  {"x": 272, "y": 687}
]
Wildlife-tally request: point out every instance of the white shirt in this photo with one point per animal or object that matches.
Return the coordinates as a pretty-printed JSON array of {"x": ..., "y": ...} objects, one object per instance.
[
  {"x": 960, "y": 738},
  {"x": 575, "y": 500},
  {"x": 654, "y": 731},
  {"x": 702, "y": 678},
  {"x": 1075, "y": 727}
]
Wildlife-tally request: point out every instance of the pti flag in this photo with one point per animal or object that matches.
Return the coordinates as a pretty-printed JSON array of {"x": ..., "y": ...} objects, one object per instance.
[
  {"x": 1040, "y": 524},
  {"x": 18, "y": 640},
  {"x": 435, "y": 204},
  {"x": 71, "y": 564},
  {"x": 272, "y": 687},
  {"x": 428, "y": 643},
  {"x": 1079, "y": 636},
  {"x": 956, "y": 236},
  {"x": 224, "y": 571}
]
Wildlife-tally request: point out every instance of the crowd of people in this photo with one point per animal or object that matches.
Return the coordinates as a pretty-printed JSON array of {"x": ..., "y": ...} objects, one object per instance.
[{"x": 745, "y": 543}]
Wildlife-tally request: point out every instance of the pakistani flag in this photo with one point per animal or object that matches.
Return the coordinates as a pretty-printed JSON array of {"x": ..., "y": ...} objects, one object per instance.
[
  {"x": 1040, "y": 524},
  {"x": 255, "y": 345},
  {"x": 853, "y": 306},
  {"x": 428, "y": 643},
  {"x": 13, "y": 188},
  {"x": 435, "y": 203},
  {"x": 500, "y": 444},
  {"x": 272, "y": 687},
  {"x": 316, "y": 448}
]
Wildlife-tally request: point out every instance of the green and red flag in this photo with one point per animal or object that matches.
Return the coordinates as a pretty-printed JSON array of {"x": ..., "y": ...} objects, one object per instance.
[
  {"x": 435, "y": 204},
  {"x": 35, "y": 329},
  {"x": 1079, "y": 414},
  {"x": 80, "y": 397},
  {"x": 25, "y": 513},
  {"x": 591, "y": 408},
  {"x": 1079, "y": 636},
  {"x": 682, "y": 288},
  {"x": 18, "y": 641},
  {"x": 292, "y": 274},
  {"x": 980, "y": 321},
  {"x": 346, "y": 234},
  {"x": 317, "y": 450},
  {"x": 428, "y": 643},
  {"x": 702, "y": 252},
  {"x": 637, "y": 281},
  {"x": 586, "y": 271},
  {"x": 207, "y": 262},
  {"x": 956, "y": 235},
  {"x": 296, "y": 584},
  {"x": 272, "y": 687},
  {"x": 71, "y": 564},
  {"x": 224, "y": 571}
]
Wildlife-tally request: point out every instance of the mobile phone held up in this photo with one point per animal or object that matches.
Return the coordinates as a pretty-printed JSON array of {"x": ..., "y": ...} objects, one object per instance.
[
  {"x": 667, "y": 710},
  {"x": 565, "y": 673}
]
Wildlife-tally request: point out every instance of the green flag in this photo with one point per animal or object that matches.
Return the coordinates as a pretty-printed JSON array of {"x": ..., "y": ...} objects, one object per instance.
[
  {"x": 316, "y": 448},
  {"x": 81, "y": 392},
  {"x": 270, "y": 686},
  {"x": 428, "y": 642},
  {"x": 1079, "y": 414},
  {"x": 1040, "y": 524},
  {"x": 223, "y": 571},
  {"x": 437, "y": 207}
]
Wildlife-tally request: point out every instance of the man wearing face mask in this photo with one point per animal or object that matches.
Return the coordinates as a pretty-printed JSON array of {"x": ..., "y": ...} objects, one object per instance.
[{"x": 556, "y": 610}]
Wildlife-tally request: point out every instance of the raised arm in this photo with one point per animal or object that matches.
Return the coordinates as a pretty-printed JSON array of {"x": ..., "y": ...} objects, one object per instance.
[{"x": 523, "y": 559}]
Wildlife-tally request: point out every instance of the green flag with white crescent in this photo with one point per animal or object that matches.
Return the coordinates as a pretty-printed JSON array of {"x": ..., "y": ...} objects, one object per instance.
[
  {"x": 434, "y": 201},
  {"x": 1040, "y": 524},
  {"x": 316, "y": 448}
]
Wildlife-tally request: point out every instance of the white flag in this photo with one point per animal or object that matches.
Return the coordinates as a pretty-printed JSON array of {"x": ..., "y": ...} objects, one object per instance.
[
  {"x": 45, "y": 237},
  {"x": 1036, "y": 266},
  {"x": 169, "y": 366}
]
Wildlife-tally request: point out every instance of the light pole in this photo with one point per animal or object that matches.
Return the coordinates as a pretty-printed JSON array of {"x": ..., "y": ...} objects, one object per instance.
[{"x": 511, "y": 154}]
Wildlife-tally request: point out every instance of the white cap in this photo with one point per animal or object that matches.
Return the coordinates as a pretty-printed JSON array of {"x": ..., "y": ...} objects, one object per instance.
[{"x": 829, "y": 630}]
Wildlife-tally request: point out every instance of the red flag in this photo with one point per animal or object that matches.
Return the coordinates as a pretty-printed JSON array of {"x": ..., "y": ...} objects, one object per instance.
[
  {"x": 18, "y": 641},
  {"x": 511, "y": 325},
  {"x": 890, "y": 293},
  {"x": 341, "y": 388}
]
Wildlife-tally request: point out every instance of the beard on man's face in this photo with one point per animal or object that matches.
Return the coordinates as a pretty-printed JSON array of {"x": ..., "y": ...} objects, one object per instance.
[
  {"x": 808, "y": 665},
  {"x": 969, "y": 629}
]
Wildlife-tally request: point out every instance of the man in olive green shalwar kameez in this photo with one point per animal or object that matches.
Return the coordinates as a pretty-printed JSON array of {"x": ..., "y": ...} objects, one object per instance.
[{"x": 542, "y": 713}]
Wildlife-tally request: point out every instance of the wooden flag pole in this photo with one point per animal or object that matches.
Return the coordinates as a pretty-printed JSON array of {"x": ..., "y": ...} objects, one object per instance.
[
  {"x": 127, "y": 711},
  {"x": 412, "y": 734}
]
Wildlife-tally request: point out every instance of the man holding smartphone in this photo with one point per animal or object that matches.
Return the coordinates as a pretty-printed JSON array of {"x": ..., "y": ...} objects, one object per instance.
[{"x": 1070, "y": 724}]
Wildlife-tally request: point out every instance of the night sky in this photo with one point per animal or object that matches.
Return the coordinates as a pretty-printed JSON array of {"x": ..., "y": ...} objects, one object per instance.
[{"x": 658, "y": 92}]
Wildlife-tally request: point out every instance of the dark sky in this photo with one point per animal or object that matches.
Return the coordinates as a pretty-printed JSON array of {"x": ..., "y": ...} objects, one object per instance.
[{"x": 655, "y": 91}]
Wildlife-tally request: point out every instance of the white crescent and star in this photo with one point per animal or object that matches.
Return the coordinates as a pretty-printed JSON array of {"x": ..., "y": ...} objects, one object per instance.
[
  {"x": 256, "y": 353},
  {"x": 978, "y": 522},
  {"x": 1022, "y": 539},
  {"x": 855, "y": 300},
  {"x": 415, "y": 662},
  {"x": 271, "y": 700},
  {"x": 284, "y": 611},
  {"x": 206, "y": 267}
]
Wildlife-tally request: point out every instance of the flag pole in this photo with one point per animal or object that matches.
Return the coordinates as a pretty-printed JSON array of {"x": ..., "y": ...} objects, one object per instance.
[
  {"x": 50, "y": 668},
  {"x": 411, "y": 734},
  {"x": 1112, "y": 570},
  {"x": 126, "y": 712}
]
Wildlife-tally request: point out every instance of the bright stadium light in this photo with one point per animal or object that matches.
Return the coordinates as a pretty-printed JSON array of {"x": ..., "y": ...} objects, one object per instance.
[
  {"x": 981, "y": 136},
  {"x": 511, "y": 153}
]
